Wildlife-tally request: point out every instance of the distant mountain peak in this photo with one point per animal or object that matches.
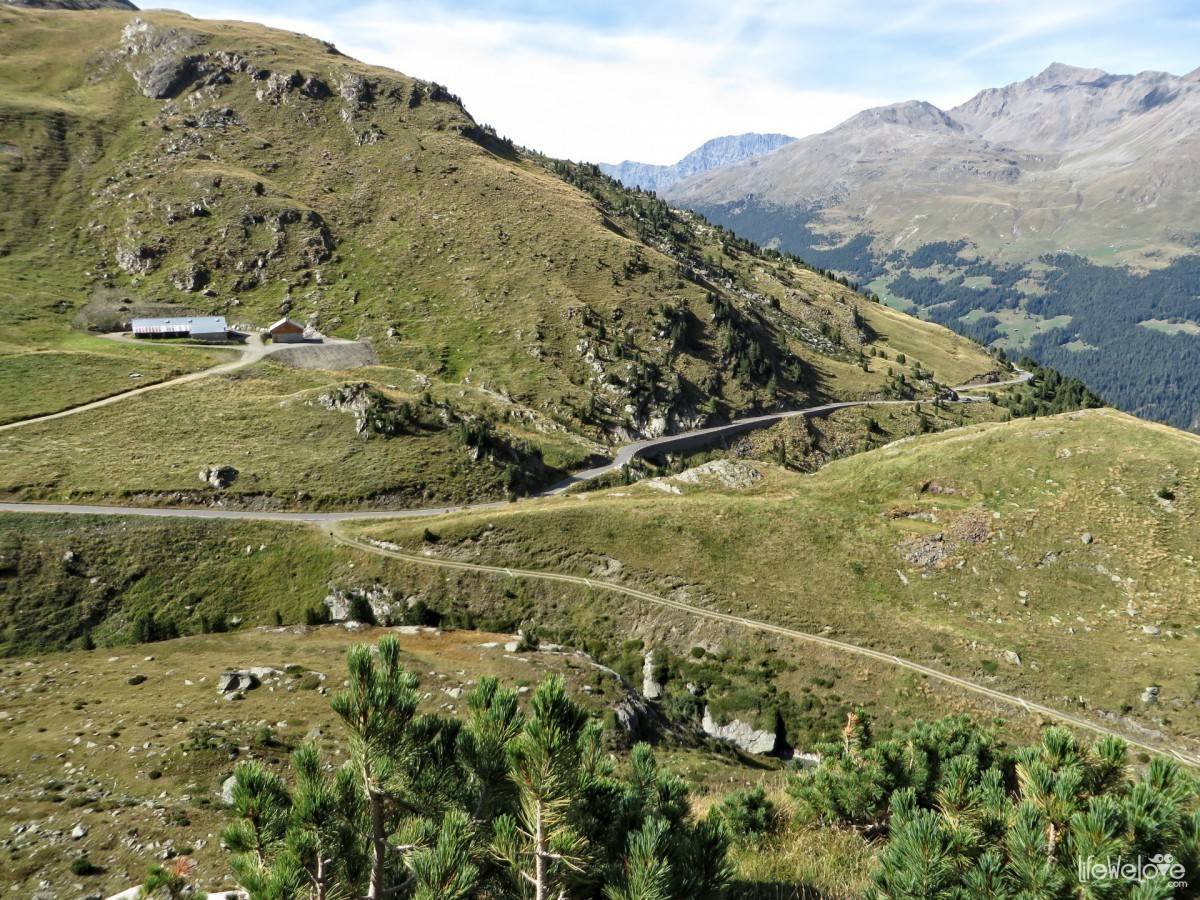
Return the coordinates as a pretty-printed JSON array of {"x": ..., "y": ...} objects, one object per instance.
[
  {"x": 712, "y": 154},
  {"x": 917, "y": 114},
  {"x": 1061, "y": 74}
]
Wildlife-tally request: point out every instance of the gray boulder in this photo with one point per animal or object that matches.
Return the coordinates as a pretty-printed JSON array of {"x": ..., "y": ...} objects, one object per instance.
[
  {"x": 740, "y": 733},
  {"x": 218, "y": 476},
  {"x": 231, "y": 682},
  {"x": 651, "y": 689}
]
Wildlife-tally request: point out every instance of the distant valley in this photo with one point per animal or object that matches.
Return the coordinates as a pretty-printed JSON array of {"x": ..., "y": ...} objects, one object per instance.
[{"x": 1054, "y": 216}]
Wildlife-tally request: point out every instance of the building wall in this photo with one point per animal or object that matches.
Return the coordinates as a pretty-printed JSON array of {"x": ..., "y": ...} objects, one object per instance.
[{"x": 287, "y": 337}]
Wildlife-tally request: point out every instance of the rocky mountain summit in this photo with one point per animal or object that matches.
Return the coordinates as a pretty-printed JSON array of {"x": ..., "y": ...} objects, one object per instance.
[
  {"x": 722, "y": 151},
  {"x": 1054, "y": 216},
  {"x": 1024, "y": 168}
]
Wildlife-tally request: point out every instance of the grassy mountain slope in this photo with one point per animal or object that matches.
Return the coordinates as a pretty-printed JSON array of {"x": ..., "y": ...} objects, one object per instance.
[
  {"x": 1066, "y": 541},
  {"x": 160, "y": 162}
]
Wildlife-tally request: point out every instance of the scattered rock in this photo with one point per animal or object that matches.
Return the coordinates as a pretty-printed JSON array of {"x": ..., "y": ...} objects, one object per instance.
[
  {"x": 740, "y": 733},
  {"x": 1086, "y": 538},
  {"x": 1151, "y": 630},
  {"x": 78, "y": 832},
  {"x": 227, "y": 790},
  {"x": 1011, "y": 656},
  {"x": 1150, "y": 695}
]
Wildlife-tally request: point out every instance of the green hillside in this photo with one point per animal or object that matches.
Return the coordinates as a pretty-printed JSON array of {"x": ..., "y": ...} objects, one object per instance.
[
  {"x": 1050, "y": 557},
  {"x": 155, "y": 162}
]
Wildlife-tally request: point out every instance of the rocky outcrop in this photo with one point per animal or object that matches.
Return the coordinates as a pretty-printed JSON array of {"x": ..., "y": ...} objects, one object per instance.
[
  {"x": 218, "y": 477},
  {"x": 160, "y": 60},
  {"x": 385, "y": 608},
  {"x": 636, "y": 718},
  {"x": 138, "y": 259},
  {"x": 651, "y": 689},
  {"x": 741, "y": 734}
]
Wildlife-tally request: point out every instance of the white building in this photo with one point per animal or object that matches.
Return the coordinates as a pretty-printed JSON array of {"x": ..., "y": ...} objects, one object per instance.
[{"x": 198, "y": 328}]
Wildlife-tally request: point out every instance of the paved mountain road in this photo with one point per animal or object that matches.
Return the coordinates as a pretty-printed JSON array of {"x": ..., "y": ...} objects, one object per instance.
[{"x": 624, "y": 455}]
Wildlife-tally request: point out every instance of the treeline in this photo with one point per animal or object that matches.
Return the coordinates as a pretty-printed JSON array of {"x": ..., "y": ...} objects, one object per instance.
[
  {"x": 1049, "y": 392},
  {"x": 1138, "y": 369}
]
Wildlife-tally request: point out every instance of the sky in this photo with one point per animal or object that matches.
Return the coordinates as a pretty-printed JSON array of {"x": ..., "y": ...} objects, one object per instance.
[{"x": 607, "y": 80}]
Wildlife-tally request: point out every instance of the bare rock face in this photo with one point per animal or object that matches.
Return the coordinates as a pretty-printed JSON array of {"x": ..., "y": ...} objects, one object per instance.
[
  {"x": 651, "y": 689},
  {"x": 159, "y": 59},
  {"x": 385, "y": 608},
  {"x": 741, "y": 734},
  {"x": 141, "y": 259}
]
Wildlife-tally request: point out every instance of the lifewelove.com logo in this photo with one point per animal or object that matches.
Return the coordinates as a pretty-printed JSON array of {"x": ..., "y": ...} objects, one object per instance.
[{"x": 1161, "y": 865}]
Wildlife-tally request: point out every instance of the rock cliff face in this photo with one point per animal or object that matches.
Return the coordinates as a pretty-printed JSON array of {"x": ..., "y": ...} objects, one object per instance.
[
  {"x": 742, "y": 734},
  {"x": 722, "y": 151}
]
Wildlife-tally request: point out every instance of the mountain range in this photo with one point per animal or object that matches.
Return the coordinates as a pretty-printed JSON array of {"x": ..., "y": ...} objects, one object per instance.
[
  {"x": 1055, "y": 215},
  {"x": 713, "y": 154},
  {"x": 764, "y": 522}
]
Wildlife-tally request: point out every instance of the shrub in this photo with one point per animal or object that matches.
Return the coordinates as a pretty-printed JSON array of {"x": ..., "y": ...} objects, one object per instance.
[
  {"x": 82, "y": 866},
  {"x": 747, "y": 814},
  {"x": 360, "y": 610},
  {"x": 316, "y": 615}
]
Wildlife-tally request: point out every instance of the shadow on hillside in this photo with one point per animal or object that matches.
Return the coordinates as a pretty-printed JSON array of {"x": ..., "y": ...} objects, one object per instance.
[{"x": 777, "y": 890}]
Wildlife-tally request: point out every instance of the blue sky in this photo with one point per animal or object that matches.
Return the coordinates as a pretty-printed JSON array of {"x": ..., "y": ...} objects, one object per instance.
[{"x": 648, "y": 80}]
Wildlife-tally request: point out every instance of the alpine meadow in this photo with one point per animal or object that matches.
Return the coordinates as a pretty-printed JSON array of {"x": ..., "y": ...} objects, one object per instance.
[{"x": 390, "y": 510}]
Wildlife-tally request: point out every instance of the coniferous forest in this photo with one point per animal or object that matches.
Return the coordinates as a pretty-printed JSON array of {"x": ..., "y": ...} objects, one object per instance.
[{"x": 1129, "y": 336}]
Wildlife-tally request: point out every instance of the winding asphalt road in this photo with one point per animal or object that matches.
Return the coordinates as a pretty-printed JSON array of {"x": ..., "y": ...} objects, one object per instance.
[{"x": 624, "y": 455}]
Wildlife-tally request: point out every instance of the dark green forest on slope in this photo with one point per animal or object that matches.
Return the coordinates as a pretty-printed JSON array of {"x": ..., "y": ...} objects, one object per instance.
[{"x": 1151, "y": 372}]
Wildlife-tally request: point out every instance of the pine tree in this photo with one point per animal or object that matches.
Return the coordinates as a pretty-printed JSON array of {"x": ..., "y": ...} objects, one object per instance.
[
  {"x": 378, "y": 709},
  {"x": 541, "y": 845}
]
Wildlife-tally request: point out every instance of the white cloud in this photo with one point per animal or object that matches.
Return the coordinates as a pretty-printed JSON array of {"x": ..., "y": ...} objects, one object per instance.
[
  {"x": 654, "y": 80},
  {"x": 574, "y": 92}
]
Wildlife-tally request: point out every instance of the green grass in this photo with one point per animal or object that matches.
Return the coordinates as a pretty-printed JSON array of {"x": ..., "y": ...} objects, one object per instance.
[
  {"x": 833, "y": 551},
  {"x": 150, "y": 757},
  {"x": 79, "y": 368},
  {"x": 268, "y": 423},
  {"x": 1187, "y": 326},
  {"x": 65, "y": 578}
]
